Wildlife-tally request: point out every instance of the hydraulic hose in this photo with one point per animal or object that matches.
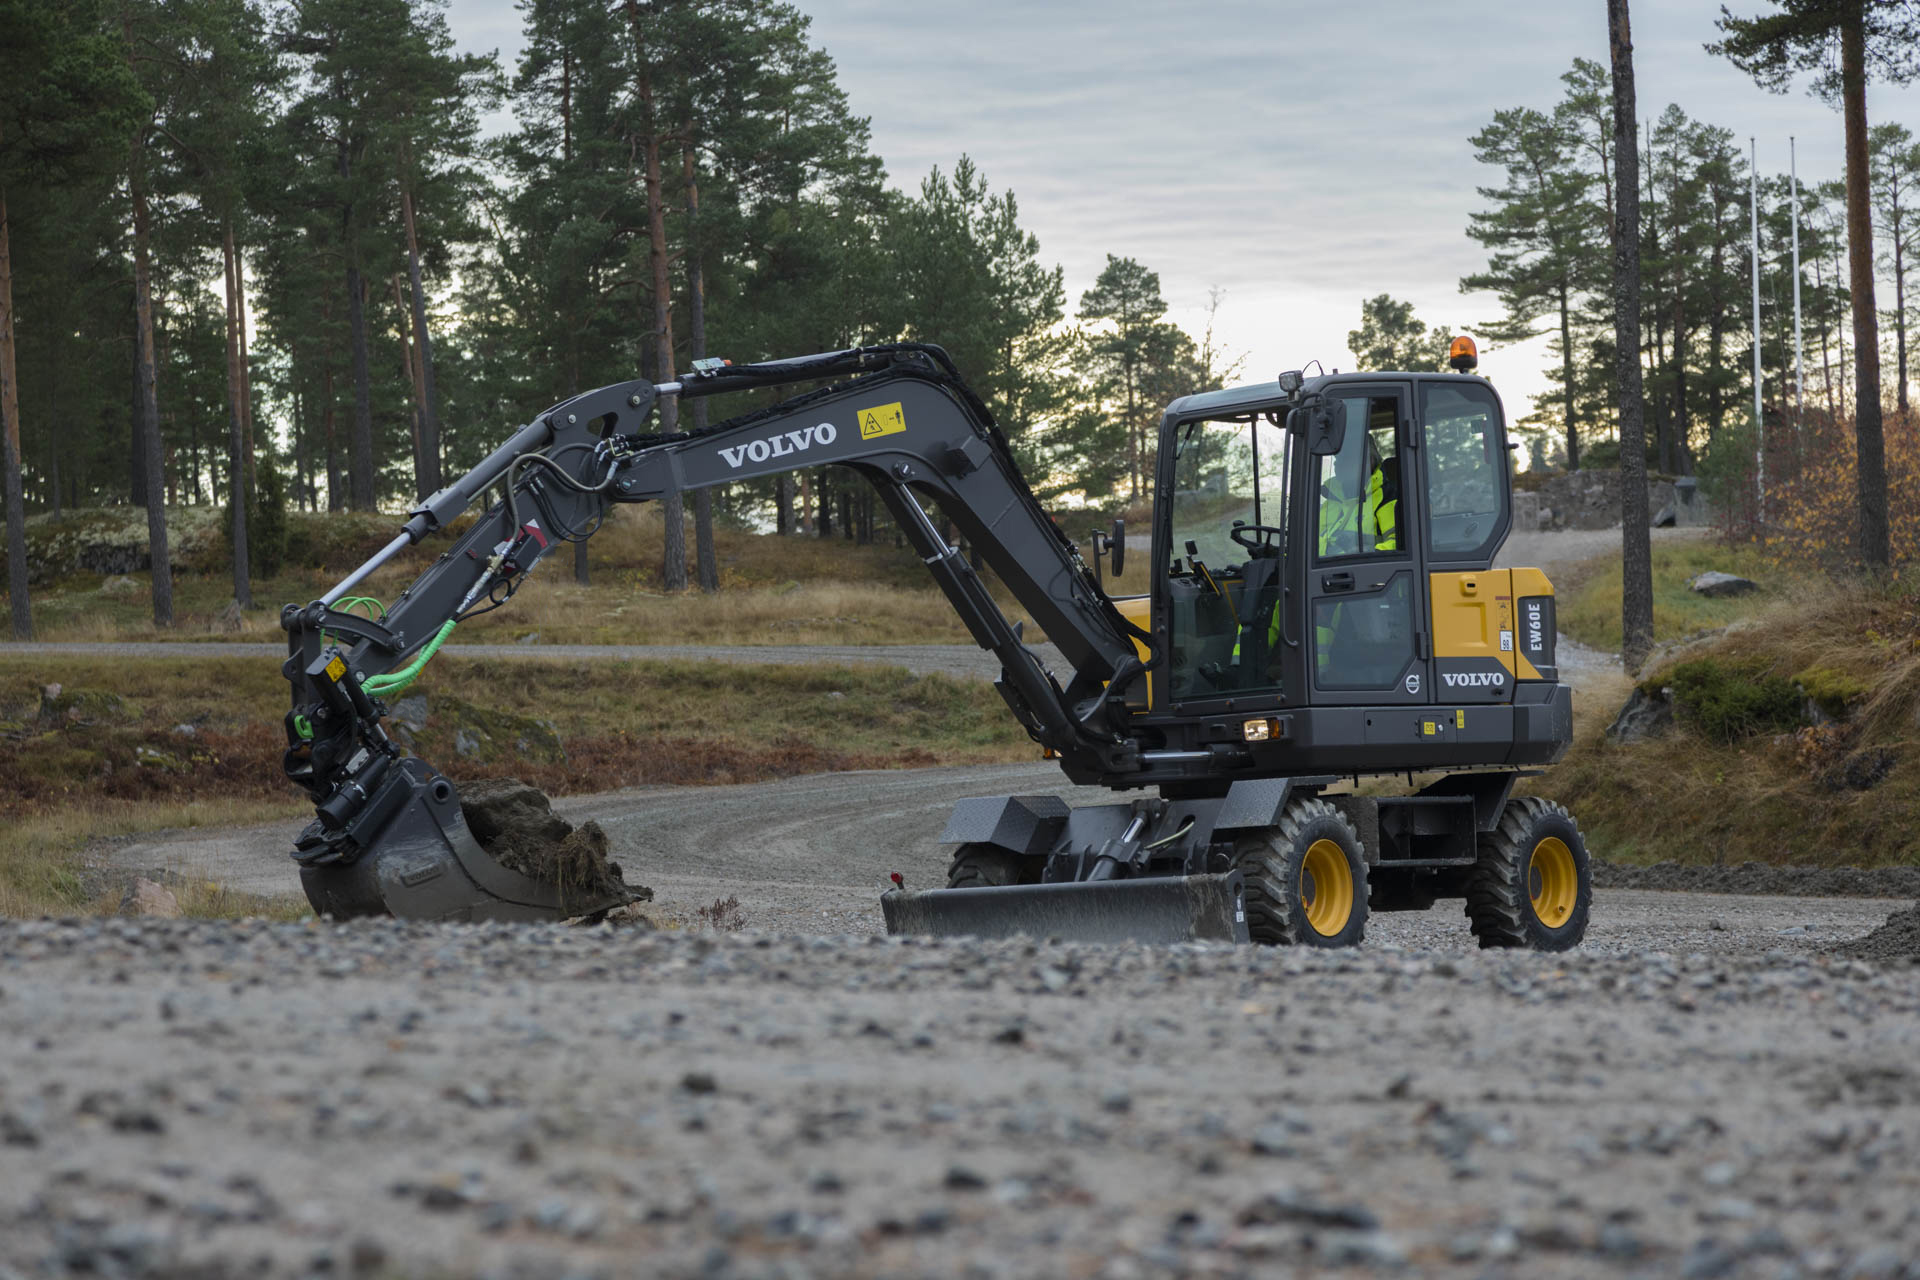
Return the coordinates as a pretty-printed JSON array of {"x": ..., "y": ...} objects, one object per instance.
[{"x": 395, "y": 681}]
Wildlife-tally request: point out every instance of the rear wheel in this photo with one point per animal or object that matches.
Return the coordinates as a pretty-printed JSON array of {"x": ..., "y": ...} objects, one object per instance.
[
  {"x": 1306, "y": 881},
  {"x": 984, "y": 866},
  {"x": 1532, "y": 886}
]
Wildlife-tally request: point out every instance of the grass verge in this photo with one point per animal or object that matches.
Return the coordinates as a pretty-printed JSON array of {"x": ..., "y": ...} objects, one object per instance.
[
  {"x": 1588, "y": 605},
  {"x": 137, "y": 746},
  {"x": 1835, "y": 793}
]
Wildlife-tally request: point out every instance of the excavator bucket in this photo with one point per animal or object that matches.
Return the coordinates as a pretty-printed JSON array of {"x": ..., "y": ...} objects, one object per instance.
[
  {"x": 1154, "y": 909},
  {"x": 422, "y": 862}
]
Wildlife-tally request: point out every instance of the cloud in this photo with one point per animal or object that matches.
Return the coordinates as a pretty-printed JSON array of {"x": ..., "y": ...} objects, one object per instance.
[{"x": 1301, "y": 157}]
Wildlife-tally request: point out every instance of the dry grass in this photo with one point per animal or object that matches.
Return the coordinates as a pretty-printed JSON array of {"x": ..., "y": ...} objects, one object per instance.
[
  {"x": 1771, "y": 798},
  {"x": 40, "y": 874},
  {"x": 773, "y": 590},
  {"x": 132, "y": 769}
]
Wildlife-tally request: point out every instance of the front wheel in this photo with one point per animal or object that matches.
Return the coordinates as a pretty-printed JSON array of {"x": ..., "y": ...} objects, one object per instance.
[
  {"x": 1532, "y": 886},
  {"x": 1306, "y": 881},
  {"x": 984, "y": 866}
]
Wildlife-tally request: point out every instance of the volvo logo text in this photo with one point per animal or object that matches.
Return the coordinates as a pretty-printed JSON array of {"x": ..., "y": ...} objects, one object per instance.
[
  {"x": 781, "y": 445},
  {"x": 1456, "y": 679}
]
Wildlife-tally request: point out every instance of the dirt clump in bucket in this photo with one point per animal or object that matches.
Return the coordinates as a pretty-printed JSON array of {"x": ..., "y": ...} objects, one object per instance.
[
  {"x": 516, "y": 825},
  {"x": 1896, "y": 940}
]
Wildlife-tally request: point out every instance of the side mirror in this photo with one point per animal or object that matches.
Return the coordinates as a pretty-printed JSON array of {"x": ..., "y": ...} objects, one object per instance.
[
  {"x": 1119, "y": 545},
  {"x": 1326, "y": 426}
]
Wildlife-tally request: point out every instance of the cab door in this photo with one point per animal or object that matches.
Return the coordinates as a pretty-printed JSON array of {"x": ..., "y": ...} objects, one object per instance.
[{"x": 1366, "y": 596}]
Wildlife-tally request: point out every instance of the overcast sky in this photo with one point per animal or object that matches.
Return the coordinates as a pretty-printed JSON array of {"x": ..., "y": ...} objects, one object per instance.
[{"x": 1299, "y": 157}]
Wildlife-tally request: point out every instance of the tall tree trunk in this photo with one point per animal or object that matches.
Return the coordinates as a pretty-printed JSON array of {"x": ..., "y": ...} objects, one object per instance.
[
  {"x": 706, "y": 563},
  {"x": 673, "y": 558},
  {"x": 1900, "y": 315},
  {"x": 236, "y": 447},
  {"x": 149, "y": 390},
  {"x": 360, "y": 481},
  {"x": 10, "y": 450},
  {"x": 426, "y": 478},
  {"x": 137, "y": 431},
  {"x": 413, "y": 380},
  {"x": 784, "y": 521},
  {"x": 334, "y": 486},
  {"x": 1636, "y": 594},
  {"x": 1874, "y": 545}
]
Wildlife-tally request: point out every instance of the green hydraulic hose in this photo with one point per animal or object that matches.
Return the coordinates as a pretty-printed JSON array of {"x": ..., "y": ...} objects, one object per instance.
[{"x": 395, "y": 681}]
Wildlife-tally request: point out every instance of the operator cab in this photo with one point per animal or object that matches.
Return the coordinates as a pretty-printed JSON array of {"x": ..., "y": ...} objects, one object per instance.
[{"x": 1297, "y": 553}]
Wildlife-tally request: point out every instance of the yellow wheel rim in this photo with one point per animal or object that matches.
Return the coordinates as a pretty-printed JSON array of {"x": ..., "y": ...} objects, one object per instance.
[
  {"x": 1552, "y": 882},
  {"x": 1326, "y": 888}
]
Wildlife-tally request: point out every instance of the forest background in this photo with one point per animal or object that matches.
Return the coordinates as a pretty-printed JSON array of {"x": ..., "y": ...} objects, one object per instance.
[{"x": 257, "y": 255}]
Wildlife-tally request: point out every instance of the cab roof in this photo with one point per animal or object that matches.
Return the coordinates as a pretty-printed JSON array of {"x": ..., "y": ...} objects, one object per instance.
[{"x": 1264, "y": 395}]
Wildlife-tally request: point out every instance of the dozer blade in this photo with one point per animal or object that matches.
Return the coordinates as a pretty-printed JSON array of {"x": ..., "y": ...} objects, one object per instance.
[
  {"x": 1155, "y": 910},
  {"x": 423, "y": 863}
]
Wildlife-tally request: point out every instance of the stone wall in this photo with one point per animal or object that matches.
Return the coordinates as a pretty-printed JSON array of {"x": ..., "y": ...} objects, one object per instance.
[{"x": 1591, "y": 500}]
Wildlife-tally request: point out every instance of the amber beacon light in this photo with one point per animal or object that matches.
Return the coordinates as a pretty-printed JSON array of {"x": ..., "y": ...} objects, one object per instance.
[{"x": 1463, "y": 355}]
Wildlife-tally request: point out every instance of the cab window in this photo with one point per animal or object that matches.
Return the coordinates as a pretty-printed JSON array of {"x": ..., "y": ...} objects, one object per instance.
[
  {"x": 1466, "y": 469},
  {"x": 1228, "y": 514},
  {"x": 1358, "y": 489}
]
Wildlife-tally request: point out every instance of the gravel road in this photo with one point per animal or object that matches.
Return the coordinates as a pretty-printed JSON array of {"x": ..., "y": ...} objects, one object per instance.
[{"x": 386, "y": 1099}]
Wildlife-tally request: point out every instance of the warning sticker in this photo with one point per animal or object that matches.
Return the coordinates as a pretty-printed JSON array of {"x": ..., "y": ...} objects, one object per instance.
[
  {"x": 882, "y": 420},
  {"x": 1506, "y": 642},
  {"x": 1429, "y": 728},
  {"x": 1459, "y": 719},
  {"x": 336, "y": 669}
]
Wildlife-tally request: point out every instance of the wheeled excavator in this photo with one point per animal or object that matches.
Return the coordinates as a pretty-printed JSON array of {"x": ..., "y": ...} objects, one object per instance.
[{"x": 1323, "y": 613}]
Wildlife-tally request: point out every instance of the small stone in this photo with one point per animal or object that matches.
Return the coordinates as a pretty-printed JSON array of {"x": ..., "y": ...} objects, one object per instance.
[
  {"x": 137, "y": 1120},
  {"x": 1708, "y": 1259},
  {"x": 149, "y": 899},
  {"x": 826, "y": 1183},
  {"x": 699, "y": 1082},
  {"x": 961, "y": 1178},
  {"x": 1716, "y": 585},
  {"x": 15, "y": 1132},
  {"x": 1117, "y": 1101}
]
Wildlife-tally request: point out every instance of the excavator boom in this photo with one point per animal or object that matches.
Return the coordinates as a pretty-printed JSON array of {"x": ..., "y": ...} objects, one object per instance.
[{"x": 389, "y": 833}]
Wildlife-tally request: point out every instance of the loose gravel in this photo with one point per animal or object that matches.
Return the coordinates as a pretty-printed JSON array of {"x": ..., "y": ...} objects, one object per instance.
[
  {"x": 381, "y": 1098},
  {"x": 1754, "y": 877}
]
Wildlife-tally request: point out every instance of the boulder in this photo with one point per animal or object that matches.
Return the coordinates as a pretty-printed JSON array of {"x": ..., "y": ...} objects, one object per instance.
[
  {"x": 145, "y": 897},
  {"x": 1717, "y": 585},
  {"x": 410, "y": 712},
  {"x": 1645, "y": 715}
]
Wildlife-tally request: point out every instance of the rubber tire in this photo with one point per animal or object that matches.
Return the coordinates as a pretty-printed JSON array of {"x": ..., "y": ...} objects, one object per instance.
[
  {"x": 986, "y": 866},
  {"x": 1270, "y": 861},
  {"x": 1498, "y": 903}
]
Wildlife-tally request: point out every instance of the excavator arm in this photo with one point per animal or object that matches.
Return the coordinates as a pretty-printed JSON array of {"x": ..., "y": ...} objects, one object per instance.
[{"x": 389, "y": 834}]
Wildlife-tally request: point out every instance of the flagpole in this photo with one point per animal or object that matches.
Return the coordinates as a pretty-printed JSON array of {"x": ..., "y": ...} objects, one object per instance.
[
  {"x": 1759, "y": 418},
  {"x": 1799, "y": 366}
]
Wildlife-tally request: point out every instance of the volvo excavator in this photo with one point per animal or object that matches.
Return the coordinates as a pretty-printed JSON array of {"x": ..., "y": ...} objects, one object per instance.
[{"x": 1323, "y": 613}]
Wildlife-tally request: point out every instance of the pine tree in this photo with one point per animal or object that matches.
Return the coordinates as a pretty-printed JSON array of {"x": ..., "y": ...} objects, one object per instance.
[
  {"x": 1543, "y": 239},
  {"x": 1391, "y": 337},
  {"x": 67, "y": 102},
  {"x": 1895, "y": 160},
  {"x": 1125, "y": 301},
  {"x": 1837, "y": 40}
]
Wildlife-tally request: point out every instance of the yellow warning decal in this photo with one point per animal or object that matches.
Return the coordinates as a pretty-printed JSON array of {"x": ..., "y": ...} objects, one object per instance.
[
  {"x": 1429, "y": 727},
  {"x": 336, "y": 669},
  {"x": 1459, "y": 719},
  {"x": 882, "y": 420}
]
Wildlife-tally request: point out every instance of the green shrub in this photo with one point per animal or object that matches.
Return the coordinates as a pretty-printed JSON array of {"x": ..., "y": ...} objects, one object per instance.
[
  {"x": 267, "y": 522},
  {"x": 1727, "y": 700},
  {"x": 1834, "y": 692}
]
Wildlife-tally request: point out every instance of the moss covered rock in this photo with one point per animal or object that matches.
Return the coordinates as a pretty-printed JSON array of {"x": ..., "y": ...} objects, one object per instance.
[{"x": 1728, "y": 699}]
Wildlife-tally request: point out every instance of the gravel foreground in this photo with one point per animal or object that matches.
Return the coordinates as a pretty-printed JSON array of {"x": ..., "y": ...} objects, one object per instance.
[{"x": 381, "y": 1099}]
